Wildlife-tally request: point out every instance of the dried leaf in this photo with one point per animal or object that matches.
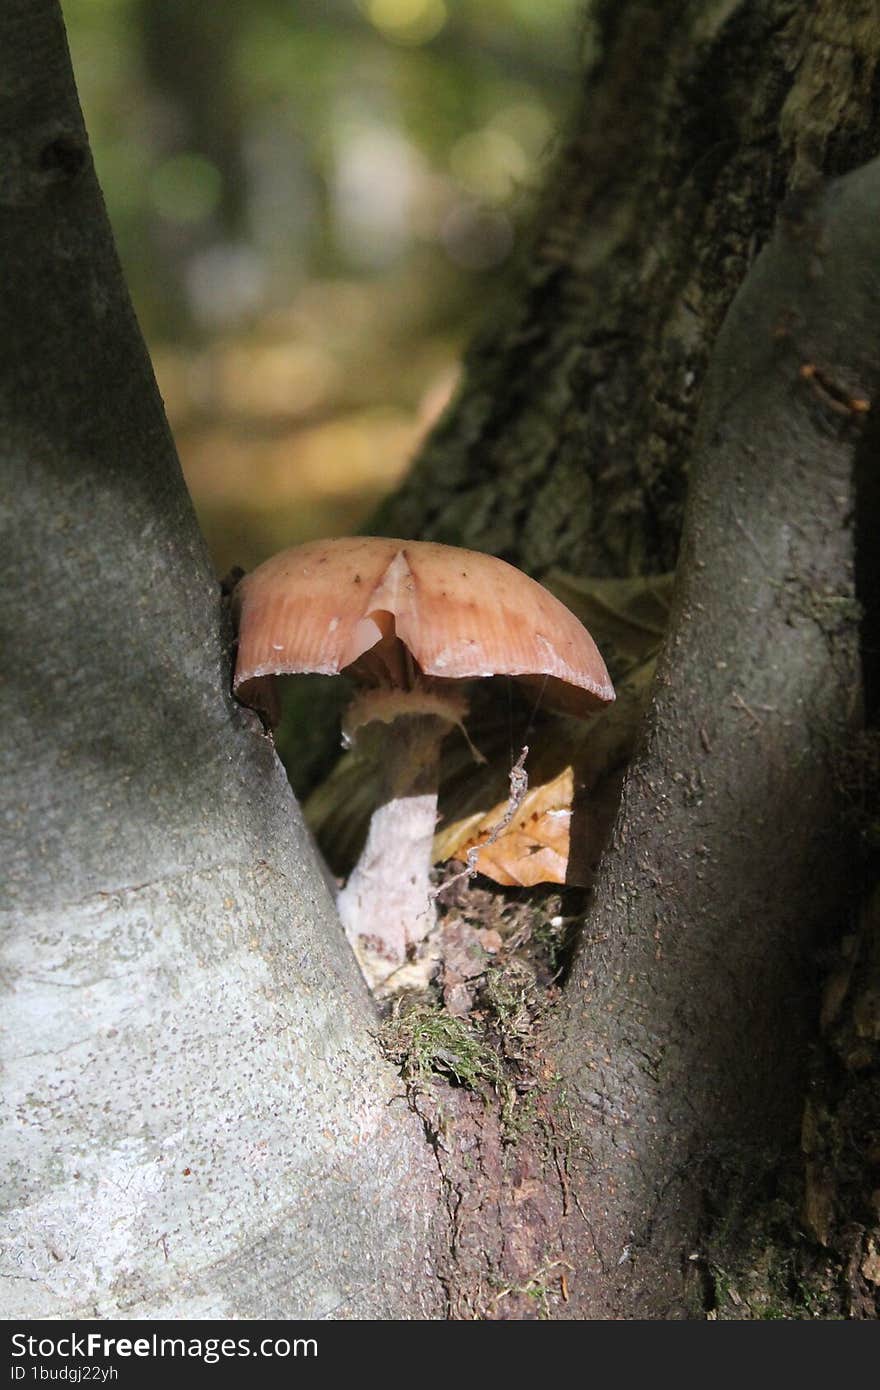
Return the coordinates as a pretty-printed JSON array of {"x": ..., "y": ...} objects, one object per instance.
[
  {"x": 542, "y": 845},
  {"x": 535, "y": 846},
  {"x": 870, "y": 1266}
]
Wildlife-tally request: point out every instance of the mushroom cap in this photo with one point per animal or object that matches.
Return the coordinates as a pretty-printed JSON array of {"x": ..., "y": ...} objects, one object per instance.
[{"x": 461, "y": 614}]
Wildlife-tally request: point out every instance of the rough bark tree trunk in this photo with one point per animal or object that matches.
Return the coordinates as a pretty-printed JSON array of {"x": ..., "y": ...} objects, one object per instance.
[{"x": 166, "y": 916}]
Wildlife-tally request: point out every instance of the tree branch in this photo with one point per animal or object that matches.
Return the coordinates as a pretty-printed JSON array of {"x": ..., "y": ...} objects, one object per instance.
[{"x": 687, "y": 1026}]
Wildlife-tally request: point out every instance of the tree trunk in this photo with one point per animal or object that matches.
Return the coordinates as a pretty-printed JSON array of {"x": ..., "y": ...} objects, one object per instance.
[
  {"x": 689, "y": 1014},
  {"x": 166, "y": 918},
  {"x": 199, "y": 1122}
]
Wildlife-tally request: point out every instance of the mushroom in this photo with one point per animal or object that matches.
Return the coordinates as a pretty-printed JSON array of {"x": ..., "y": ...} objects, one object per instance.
[{"x": 410, "y": 622}]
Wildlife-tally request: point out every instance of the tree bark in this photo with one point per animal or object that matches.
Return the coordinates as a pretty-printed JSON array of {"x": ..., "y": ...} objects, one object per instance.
[
  {"x": 199, "y": 1122},
  {"x": 689, "y": 1013}
]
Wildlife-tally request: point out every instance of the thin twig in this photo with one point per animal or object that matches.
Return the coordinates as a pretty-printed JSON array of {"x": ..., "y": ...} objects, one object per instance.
[{"x": 519, "y": 785}]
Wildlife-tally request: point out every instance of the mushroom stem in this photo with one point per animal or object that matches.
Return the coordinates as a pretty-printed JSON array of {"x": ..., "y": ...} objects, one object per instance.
[{"x": 386, "y": 906}]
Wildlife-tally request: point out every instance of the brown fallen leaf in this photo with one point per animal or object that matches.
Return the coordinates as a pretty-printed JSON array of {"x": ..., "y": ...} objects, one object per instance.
[{"x": 535, "y": 846}]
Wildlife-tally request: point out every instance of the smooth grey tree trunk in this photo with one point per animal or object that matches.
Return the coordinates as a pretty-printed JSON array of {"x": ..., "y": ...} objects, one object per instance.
[{"x": 196, "y": 1118}]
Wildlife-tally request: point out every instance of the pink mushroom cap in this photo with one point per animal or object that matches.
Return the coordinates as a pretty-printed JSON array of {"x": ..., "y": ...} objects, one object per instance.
[{"x": 460, "y": 614}]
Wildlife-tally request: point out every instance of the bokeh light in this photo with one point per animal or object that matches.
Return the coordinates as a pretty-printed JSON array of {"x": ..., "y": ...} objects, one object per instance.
[
  {"x": 315, "y": 204},
  {"x": 407, "y": 21}
]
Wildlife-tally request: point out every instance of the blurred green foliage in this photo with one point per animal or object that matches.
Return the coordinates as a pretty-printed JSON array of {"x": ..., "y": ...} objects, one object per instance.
[
  {"x": 313, "y": 202},
  {"x": 304, "y": 137}
]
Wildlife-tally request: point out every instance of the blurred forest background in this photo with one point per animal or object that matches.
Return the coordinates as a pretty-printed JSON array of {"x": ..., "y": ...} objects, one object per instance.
[{"x": 315, "y": 202}]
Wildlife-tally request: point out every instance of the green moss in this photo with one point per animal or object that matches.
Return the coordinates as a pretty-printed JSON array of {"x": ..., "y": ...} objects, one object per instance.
[
  {"x": 772, "y": 1271},
  {"x": 494, "y": 1052},
  {"x": 770, "y": 1289},
  {"x": 510, "y": 996},
  {"x": 425, "y": 1040},
  {"x": 543, "y": 1288}
]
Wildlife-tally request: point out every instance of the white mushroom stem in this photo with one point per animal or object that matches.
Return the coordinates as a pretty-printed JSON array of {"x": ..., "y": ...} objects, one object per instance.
[{"x": 386, "y": 904}]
